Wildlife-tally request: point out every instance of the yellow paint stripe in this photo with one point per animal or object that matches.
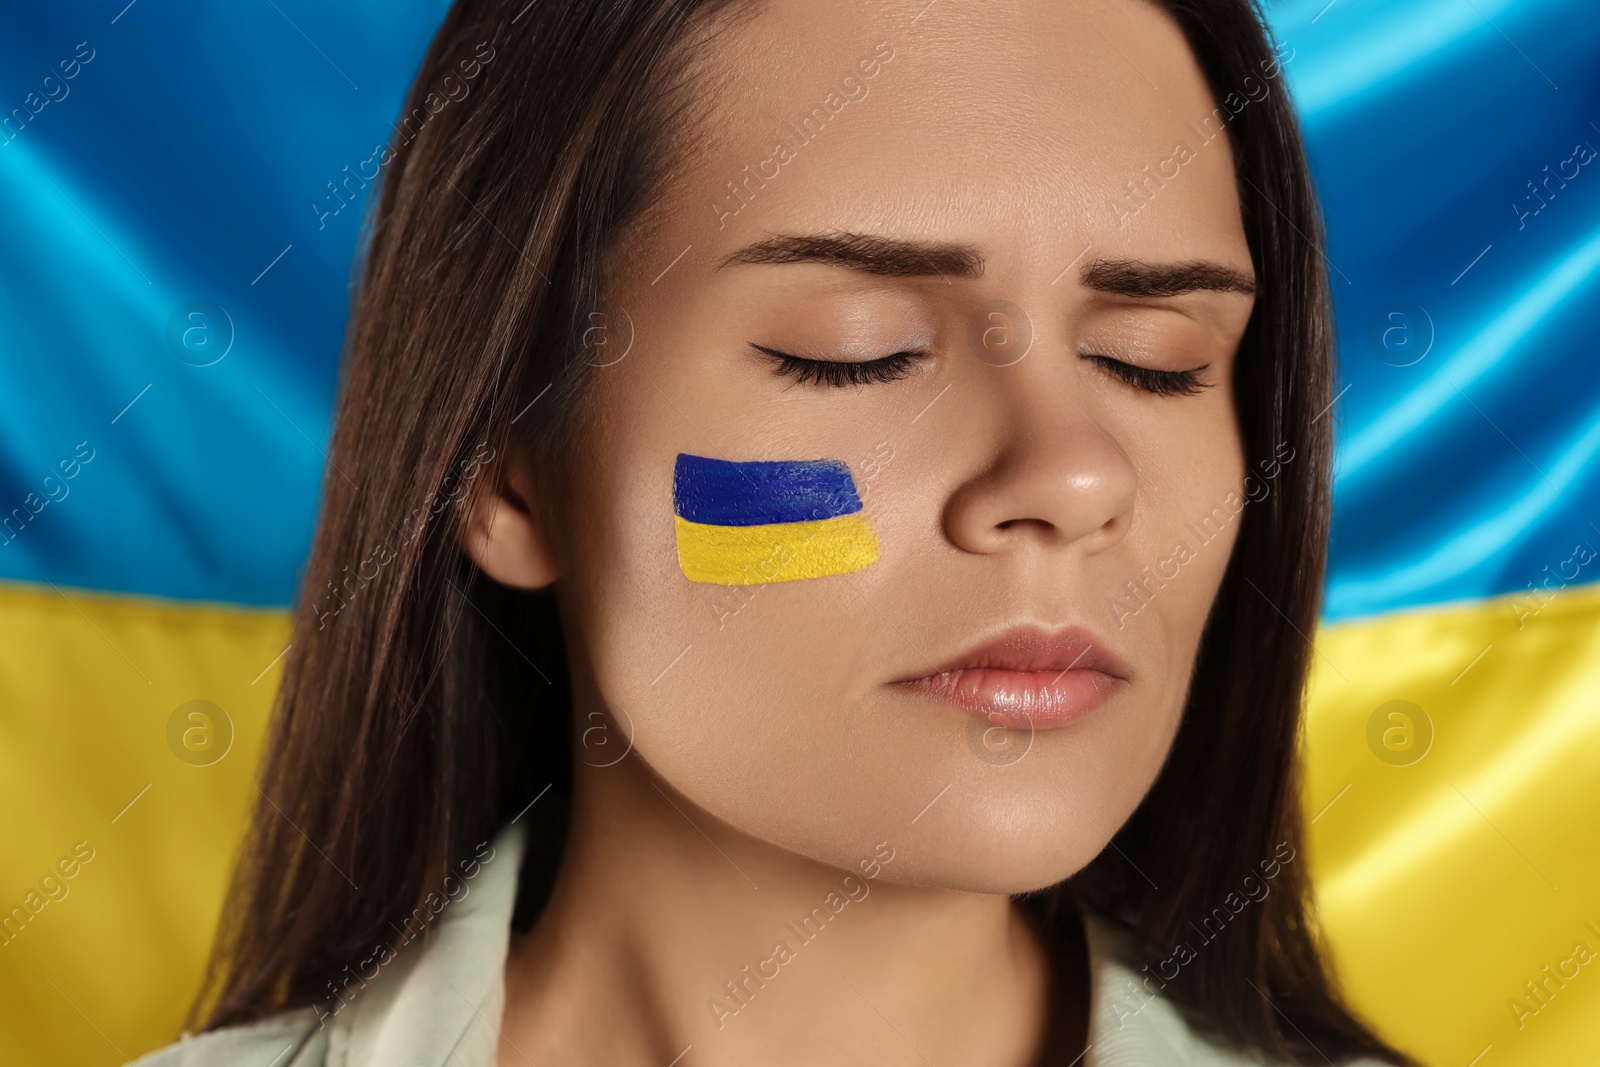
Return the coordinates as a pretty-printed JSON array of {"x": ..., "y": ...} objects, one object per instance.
[{"x": 776, "y": 552}]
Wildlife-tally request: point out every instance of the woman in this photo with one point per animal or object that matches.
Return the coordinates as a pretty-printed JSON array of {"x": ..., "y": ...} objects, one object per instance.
[{"x": 824, "y": 513}]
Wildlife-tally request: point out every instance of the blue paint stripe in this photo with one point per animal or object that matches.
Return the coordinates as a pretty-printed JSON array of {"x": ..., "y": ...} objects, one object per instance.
[{"x": 720, "y": 493}]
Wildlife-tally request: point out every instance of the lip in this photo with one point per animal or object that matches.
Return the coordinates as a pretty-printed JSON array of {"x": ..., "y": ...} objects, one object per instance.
[{"x": 1028, "y": 678}]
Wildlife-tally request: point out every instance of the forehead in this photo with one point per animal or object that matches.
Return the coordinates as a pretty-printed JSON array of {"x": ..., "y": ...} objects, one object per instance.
[{"x": 1030, "y": 130}]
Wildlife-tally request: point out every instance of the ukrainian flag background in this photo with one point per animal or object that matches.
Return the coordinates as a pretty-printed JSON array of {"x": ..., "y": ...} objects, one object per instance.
[{"x": 172, "y": 308}]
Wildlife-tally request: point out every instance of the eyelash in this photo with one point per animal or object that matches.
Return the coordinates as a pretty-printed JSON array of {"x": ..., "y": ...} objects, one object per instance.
[
  {"x": 893, "y": 367},
  {"x": 1158, "y": 382},
  {"x": 833, "y": 374}
]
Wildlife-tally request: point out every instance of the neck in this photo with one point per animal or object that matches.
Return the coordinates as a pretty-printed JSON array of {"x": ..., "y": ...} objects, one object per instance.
[{"x": 668, "y": 929}]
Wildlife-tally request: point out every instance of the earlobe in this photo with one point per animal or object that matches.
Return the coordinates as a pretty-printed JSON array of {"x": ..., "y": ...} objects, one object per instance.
[{"x": 505, "y": 537}]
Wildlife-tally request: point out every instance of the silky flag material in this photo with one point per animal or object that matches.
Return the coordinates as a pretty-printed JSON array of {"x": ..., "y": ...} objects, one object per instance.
[
  {"x": 174, "y": 320},
  {"x": 768, "y": 521}
]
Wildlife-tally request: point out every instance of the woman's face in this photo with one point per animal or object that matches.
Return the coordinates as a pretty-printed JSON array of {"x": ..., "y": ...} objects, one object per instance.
[{"x": 1014, "y": 209}]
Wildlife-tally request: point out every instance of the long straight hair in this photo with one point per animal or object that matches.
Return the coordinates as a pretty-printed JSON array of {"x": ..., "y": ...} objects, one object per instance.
[{"x": 423, "y": 705}]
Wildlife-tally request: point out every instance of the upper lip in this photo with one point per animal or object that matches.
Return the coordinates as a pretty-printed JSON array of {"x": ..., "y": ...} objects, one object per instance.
[{"x": 1036, "y": 649}]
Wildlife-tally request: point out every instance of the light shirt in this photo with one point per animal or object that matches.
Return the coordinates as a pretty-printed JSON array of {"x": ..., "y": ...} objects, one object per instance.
[{"x": 439, "y": 1003}]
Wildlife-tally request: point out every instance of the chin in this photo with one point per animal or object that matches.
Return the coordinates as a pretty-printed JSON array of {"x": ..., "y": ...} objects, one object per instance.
[
  {"x": 1008, "y": 841},
  {"x": 974, "y": 865}
]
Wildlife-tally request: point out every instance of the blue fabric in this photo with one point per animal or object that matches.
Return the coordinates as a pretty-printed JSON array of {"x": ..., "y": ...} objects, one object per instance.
[
  {"x": 184, "y": 159},
  {"x": 189, "y": 165},
  {"x": 1467, "y": 473},
  {"x": 755, "y": 493}
]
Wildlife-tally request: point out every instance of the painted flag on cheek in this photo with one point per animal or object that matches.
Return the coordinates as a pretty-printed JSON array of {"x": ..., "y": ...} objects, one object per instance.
[{"x": 768, "y": 521}]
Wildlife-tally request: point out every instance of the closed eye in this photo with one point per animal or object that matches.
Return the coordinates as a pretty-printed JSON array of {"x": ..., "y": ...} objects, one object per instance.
[
  {"x": 1150, "y": 380},
  {"x": 827, "y": 372}
]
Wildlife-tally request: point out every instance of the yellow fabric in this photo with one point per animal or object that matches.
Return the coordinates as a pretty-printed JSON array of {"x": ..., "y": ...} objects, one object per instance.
[
  {"x": 775, "y": 552},
  {"x": 88, "y": 684},
  {"x": 1436, "y": 914},
  {"x": 1447, "y": 883}
]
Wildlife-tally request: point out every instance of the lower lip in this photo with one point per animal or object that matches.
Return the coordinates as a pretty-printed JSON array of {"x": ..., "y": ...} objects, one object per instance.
[{"x": 1021, "y": 700}]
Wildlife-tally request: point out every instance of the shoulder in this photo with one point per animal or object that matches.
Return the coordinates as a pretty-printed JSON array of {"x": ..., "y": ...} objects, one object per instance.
[
  {"x": 1133, "y": 1025},
  {"x": 431, "y": 996},
  {"x": 289, "y": 1039}
]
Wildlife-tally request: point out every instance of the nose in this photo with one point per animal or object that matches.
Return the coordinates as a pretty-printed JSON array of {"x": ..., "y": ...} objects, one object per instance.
[{"x": 1053, "y": 477}]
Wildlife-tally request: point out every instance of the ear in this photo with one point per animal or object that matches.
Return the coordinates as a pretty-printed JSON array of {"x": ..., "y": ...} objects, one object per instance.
[{"x": 505, "y": 536}]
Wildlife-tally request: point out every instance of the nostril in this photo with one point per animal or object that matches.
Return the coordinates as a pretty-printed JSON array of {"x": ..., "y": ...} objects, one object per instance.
[{"x": 1043, "y": 524}]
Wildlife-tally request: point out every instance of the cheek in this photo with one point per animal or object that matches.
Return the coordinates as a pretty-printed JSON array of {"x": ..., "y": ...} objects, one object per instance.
[
  {"x": 733, "y": 687},
  {"x": 622, "y": 589},
  {"x": 1191, "y": 507}
]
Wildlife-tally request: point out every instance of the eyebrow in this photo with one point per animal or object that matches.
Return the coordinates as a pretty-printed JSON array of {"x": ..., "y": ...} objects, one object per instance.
[
  {"x": 874, "y": 254},
  {"x": 1139, "y": 278},
  {"x": 899, "y": 258}
]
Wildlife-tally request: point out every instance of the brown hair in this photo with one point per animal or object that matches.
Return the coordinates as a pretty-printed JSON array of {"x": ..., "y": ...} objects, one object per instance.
[{"x": 424, "y": 705}]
